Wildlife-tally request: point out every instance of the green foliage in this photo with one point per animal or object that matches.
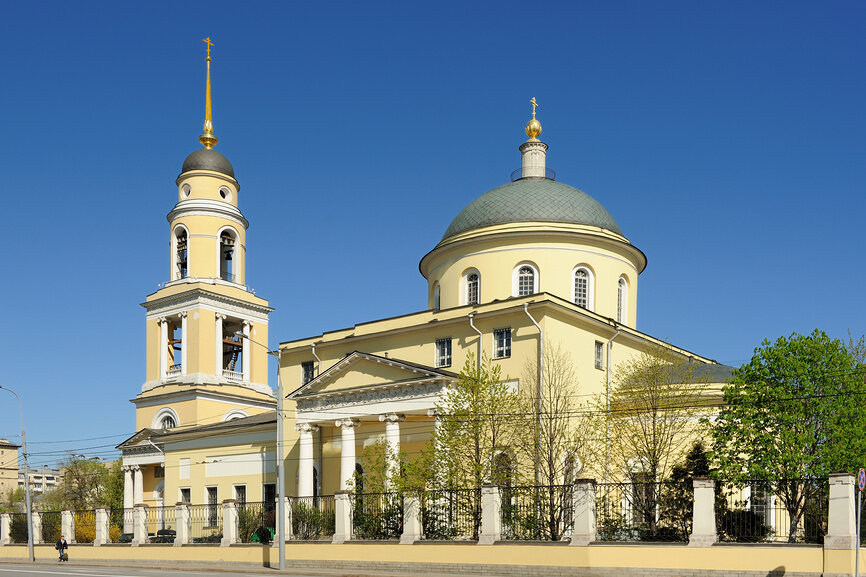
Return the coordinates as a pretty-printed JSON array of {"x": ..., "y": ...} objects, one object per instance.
[
  {"x": 378, "y": 516},
  {"x": 793, "y": 414},
  {"x": 10, "y": 500},
  {"x": 18, "y": 530},
  {"x": 253, "y": 524},
  {"x": 51, "y": 526},
  {"x": 311, "y": 522}
]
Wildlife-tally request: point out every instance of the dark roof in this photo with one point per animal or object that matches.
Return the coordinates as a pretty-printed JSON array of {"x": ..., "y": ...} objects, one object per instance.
[
  {"x": 532, "y": 200},
  {"x": 224, "y": 426},
  {"x": 714, "y": 373},
  {"x": 208, "y": 159}
]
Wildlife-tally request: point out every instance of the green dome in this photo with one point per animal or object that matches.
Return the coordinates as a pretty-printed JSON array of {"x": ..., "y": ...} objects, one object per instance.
[{"x": 532, "y": 200}]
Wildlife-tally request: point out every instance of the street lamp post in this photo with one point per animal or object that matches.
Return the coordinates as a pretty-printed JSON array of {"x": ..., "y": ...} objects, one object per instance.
[
  {"x": 281, "y": 480},
  {"x": 26, "y": 479}
]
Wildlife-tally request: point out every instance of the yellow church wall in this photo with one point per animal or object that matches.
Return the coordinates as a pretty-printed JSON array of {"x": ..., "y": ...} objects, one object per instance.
[
  {"x": 553, "y": 256},
  {"x": 198, "y": 411},
  {"x": 204, "y": 231},
  {"x": 205, "y": 184}
]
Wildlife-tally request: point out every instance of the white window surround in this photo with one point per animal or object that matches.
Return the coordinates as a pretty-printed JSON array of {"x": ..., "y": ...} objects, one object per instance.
[
  {"x": 174, "y": 263},
  {"x": 235, "y": 414},
  {"x": 515, "y": 278},
  {"x": 161, "y": 414},
  {"x": 590, "y": 285},
  {"x": 237, "y": 255},
  {"x": 442, "y": 352},
  {"x": 502, "y": 350},
  {"x": 437, "y": 296},
  {"x": 464, "y": 298},
  {"x": 622, "y": 300}
]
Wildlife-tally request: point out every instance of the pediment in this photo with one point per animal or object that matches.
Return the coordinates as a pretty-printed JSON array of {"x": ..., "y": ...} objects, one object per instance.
[{"x": 363, "y": 370}]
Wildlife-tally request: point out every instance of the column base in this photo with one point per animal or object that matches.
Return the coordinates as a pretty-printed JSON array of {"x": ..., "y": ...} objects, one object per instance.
[
  {"x": 703, "y": 540},
  {"x": 582, "y": 540},
  {"x": 409, "y": 538},
  {"x": 840, "y": 542},
  {"x": 487, "y": 539}
]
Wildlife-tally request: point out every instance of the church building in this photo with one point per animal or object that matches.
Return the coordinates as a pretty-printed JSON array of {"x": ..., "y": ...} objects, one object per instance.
[{"x": 529, "y": 264}]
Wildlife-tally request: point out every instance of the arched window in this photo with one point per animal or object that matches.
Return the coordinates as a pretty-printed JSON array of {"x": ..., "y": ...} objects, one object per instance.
[
  {"x": 227, "y": 249},
  {"x": 167, "y": 422},
  {"x": 165, "y": 418},
  {"x": 472, "y": 289},
  {"x": 525, "y": 281},
  {"x": 583, "y": 287},
  {"x": 436, "y": 296},
  {"x": 181, "y": 253},
  {"x": 621, "y": 300}
]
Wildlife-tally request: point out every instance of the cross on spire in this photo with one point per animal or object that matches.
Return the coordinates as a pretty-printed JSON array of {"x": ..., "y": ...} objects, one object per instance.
[
  {"x": 533, "y": 102},
  {"x": 209, "y": 44}
]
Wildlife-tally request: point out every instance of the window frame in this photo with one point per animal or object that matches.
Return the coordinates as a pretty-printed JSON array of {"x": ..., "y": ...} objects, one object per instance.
[
  {"x": 515, "y": 279},
  {"x": 590, "y": 286},
  {"x": 504, "y": 351},
  {"x": 438, "y": 361},
  {"x": 466, "y": 287},
  {"x": 622, "y": 300},
  {"x": 312, "y": 366},
  {"x": 599, "y": 355}
]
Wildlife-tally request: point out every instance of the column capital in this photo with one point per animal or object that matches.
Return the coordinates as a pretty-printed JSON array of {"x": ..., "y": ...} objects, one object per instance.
[
  {"x": 392, "y": 418},
  {"x": 435, "y": 413},
  {"x": 347, "y": 423},
  {"x": 162, "y": 320},
  {"x": 182, "y": 315},
  {"x": 247, "y": 323},
  {"x": 306, "y": 427},
  {"x": 220, "y": 317}
]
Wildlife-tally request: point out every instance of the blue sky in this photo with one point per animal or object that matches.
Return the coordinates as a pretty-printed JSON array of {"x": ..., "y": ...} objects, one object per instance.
[{"x": 726, "y": 139}]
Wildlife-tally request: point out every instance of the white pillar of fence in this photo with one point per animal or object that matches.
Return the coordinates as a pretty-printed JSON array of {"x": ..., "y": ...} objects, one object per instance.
[
  {"x": 37, "y": 528},
  {"x": 841, "y": 522},
  {"x": 585, "y": 523},
  {"x": 101, "y": 536},
  {"x": 411, "y": 519},
  {"x": 183, "y": 523},
  {"x": 343, "y": 517},
  {"x": 5, "y": 529},
  {"x": 230, "y": 523},
  {"x": 703, "y": 513},
  {"x": 139, "y": 525},
  {"x": 491, "y": 515},
  {"x": 287, "y": 520},
  {"x": 67, "y": 525}
]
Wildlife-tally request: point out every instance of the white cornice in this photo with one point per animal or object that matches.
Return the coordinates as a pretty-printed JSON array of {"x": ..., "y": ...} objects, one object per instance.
[
  {"x": 198, "y": 392},
  {"x": 207, "y": 207},
  {"x": 200, "y": 298}
]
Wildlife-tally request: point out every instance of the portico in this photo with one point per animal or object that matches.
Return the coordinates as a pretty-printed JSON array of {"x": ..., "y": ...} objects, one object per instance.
[{"x": 361, "y": 400}]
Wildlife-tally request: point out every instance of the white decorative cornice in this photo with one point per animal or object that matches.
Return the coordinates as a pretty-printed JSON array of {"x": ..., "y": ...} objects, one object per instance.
[
  {"x": 306, "y": 428},
  {"x": 367, "y": 395},
  {"x": 207, "y": 207},
  {"x": 200, "y": 298},
  {"x": 201, "y": 379},
  {"x": 347, "y": 423}
]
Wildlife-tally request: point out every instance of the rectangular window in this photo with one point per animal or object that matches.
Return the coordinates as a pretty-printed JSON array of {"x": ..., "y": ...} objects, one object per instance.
[
  {"x": 443, "y": 352},
  {"x": 599, "y": 355},
  {"x": 307, "y": 370},
  {"x": 212, "y": 507},
  {"x": 501, "y": 343},
  {"x": 241, "y": 494},
  {"x": 158, "y": 472},
  {"x": 269, "y": 492},
  {"x": 185, "y": 496}
]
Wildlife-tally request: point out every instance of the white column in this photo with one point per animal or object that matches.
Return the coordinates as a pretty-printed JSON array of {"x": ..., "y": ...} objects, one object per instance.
[
  {"x": 246, "y": 351},
  {"x": 102, "y": 529},
  {"x": 842, "y": 515},
  {"x": 347, "y": 453},
  {"x": 491, "y": 515},
  {"x": 183, "y": 524},
  {"x": 305, "y": 458},
  {"x": 585, "y": 529},
  {"x": 533, "y": 155},
  {"x": 5, "y": 529},
  {"x": 138, "y": 486},
  {"x": 67, "y": 525},
  {"x": 342, "y": 516},
  {"x": 37, "y": 528},
  {"x": 703, "y": 513},
  {"x": 163, "y": 347},
  {"x": 230, "y": 523},
  {"x": 139, "y": 523},
  {"x": 392, "y": 443},
  {"x": 412, "y": 528},
  {"x": 183, "y": 345},
  {"x": 219, "y": 345},
  {"x": 127, "y": 498}
]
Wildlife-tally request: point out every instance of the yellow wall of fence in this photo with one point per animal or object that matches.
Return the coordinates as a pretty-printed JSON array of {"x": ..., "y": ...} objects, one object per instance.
[{"x": 731, "y": 559}]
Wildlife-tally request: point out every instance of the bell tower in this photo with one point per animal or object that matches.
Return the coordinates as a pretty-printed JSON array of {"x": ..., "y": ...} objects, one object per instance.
[{"x": 206, "y": 330}]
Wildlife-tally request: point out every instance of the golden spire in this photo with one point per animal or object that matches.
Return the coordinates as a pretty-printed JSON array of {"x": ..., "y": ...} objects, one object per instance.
[
  {"x": 533, "y": 127},
  {"x": 208, "y": 139}
]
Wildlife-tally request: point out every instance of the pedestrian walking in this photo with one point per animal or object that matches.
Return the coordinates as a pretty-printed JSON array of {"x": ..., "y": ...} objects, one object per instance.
[{"x": 61, "y": 547}]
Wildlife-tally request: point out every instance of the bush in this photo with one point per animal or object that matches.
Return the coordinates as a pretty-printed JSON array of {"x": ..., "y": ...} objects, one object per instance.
[
  {"x": 743, "y": 526},
  {"x": 18, "y": 530},
  {"x": 309, "y": 522},
  {"x": 85, "y": 527},
  {"x": 51, "y": 527}
]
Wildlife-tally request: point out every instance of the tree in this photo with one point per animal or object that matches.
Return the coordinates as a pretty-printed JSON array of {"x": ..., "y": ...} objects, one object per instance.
[
  {"x": 656, "y": 400},
  {"x": 86, "y": 484},
  {"x": 793, "y": 414},
  {"x": 555, "y": 438}
]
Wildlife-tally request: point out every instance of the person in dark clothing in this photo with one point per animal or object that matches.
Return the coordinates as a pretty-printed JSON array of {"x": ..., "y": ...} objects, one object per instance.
[{"x": 61, "y": 547}]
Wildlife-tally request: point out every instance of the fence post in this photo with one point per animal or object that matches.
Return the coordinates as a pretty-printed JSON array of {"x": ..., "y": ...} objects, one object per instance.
[
  {"x": 37, "y": 528},
  {"x": 343, "y": 517},
  {"x": 411, "y": 519},
  {"x": 182, "y": 521},
  {"x": 139, "y": 524},
  {"x": 67, "y": 525},
  {"x": 703, "y": 513},
  {"x": 287, "y": 520},
  {"x": 5, "y": 529},
  {"x": 585, "y": 527},
  {"x": 491, "y": 515},
  {"x": 101, "y": 535},
  {"x": 841, "y": 522},
  {"x": 230, "y": 522}
]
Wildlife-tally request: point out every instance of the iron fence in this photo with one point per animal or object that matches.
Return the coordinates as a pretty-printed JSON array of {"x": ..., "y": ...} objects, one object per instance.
[
  {"x": 51, "y": 526},
  {"x": 120, "y": 525},
  {"x": 206, "y": 523},
  {"x": 644, "y": 511},
  {"x": 542, "y": 513},
  {"x": 161, "y": 524},
  {"x": 448, "y": 514},
  {"x": 312, "y": 517},
  {"x": 85, "y": 526},
  {"x": 18, "y": 529},
  {"x": 256, "y": 522},
  {"x": 377, "y": 515},
  {"x": 792, "y": 511}
]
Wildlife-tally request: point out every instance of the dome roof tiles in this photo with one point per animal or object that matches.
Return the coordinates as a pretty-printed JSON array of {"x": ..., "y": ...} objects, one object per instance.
[{"x": 208, "y": 159}]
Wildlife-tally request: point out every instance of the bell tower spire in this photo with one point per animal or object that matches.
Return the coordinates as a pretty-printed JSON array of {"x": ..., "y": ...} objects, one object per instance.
[
  {"x": 533, "y": 152},
  {"x": 207, "y": 139}
]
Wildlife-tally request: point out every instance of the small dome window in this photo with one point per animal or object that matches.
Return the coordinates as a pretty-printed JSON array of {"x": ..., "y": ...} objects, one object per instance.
[
  {"x": 185, "y": 190},
  {"x": 583, "y": 289},
  {"x": 225, "y": 193},
  {"x": 471, "y": 288}
]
